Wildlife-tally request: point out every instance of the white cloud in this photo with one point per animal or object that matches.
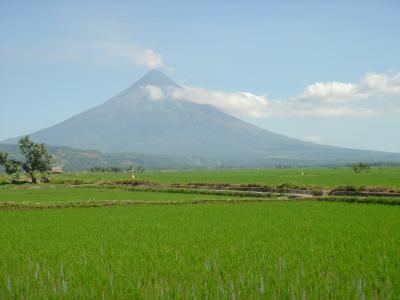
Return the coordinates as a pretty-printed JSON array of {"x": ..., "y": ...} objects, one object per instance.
[
  {"x": 372, "y": 95},
  {"x": 244, "y": 104},
  {"x": 296, "y": 109},
  {"x": 103, "y": 49},
  {"x": 333, "y": 92},
  {"x": 128, "y": 52},
  {"x": 154, "y": 92},
  {"x": 240, "y": 103},
  {"x": 381, "y": 83},
  {"x": 314, "y": 139}
]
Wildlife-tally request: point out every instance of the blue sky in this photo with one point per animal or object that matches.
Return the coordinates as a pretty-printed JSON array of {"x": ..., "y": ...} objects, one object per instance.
[{"x": 324, "y": 71}]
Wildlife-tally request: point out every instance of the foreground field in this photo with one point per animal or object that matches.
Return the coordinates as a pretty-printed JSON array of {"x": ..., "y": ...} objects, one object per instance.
[
  {"x": 312, "y": 250},
  {"x": 242, "y": 249}
]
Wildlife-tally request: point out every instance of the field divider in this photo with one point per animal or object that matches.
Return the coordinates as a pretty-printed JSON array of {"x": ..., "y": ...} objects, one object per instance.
[
  {"x": 208, "y": 190},
  {"x": 361, "y": 200},
  {"x": 259, "y": 191},
  {"x": 364, "y": 194},
  {"x": 10, "y": 205}
]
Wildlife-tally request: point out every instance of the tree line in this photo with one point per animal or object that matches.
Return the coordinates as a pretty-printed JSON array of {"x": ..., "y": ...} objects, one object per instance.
[{"x": 138, "y": 169}]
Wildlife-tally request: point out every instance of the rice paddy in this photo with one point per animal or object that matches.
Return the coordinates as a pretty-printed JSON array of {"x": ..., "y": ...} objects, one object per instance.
[
  {"x": 319, "y": 177},
  {"x": 233, "y": 246},
  {"x": 272, "y": 250}
]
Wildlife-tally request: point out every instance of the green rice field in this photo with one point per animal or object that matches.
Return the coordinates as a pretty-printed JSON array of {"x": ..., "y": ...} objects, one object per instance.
[
  {"x": 308, "y": 250},
  {"x": 218, "y": 245},
  {"x": 313, "y": 177},
  {"x": 62, "y": 193},
  {"x": 321, "y": 177}
]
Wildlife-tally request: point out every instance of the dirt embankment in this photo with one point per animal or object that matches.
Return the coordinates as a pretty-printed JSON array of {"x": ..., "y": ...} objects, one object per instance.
[
  {"x": 229, "y": 187},
  {"x": 364, "y": 194}
]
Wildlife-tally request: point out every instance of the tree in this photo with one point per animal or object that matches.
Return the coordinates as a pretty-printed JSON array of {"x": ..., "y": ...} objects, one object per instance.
[
  {"x": 3, "y": 158},
  {"x": 12, "y": 167},
  {"x": 37, "y": 159},
  {"x": 360, "y": 167}
]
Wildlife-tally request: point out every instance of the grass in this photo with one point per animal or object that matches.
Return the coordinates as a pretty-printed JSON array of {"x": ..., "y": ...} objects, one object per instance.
[
  {"x": 313, "y": 250},
  {"x": 3, "y": 179},
  {"x": 63, "y": 193},
  {"x": 313, "y": 177}
]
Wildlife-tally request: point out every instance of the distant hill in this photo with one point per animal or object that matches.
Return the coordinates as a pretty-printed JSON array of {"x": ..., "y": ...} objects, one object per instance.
[
  {"x": 145, "y": 119},
  {"x": 75, "y": 159}
]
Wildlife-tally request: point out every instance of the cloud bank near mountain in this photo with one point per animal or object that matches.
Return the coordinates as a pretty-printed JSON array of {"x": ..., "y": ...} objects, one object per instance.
[{"x": 373, "y": 94}]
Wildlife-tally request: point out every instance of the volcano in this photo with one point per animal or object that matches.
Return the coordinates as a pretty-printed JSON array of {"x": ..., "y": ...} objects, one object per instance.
[{"x": 144, "y": 118}]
